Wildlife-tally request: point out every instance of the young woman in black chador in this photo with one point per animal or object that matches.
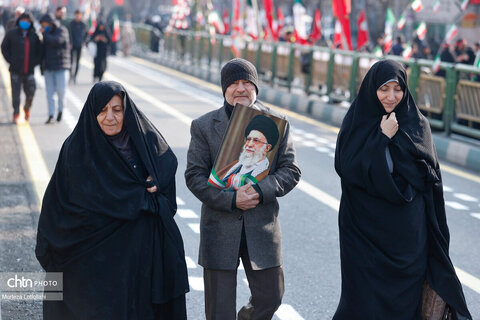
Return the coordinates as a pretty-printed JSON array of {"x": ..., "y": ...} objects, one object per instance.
[
  {"x": 393, "y": 229},
  {"x": 107, "y": 217}
]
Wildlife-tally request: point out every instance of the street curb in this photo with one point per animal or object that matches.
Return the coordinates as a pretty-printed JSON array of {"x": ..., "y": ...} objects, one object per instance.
[{"x": 459, "y": 153}]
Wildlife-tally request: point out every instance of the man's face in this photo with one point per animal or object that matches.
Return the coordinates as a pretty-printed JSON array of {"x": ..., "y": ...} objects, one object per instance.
[
  {"x": 78, "y": 16},
  {"x": 254, "y": 149},
  {"x": 241, "y": 91}
]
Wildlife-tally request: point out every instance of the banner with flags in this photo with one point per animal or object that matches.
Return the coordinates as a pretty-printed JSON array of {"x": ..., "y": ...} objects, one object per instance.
[
  {"x": 299, "y": 22},
  {"x": 362, "y": 35},
  {"x": 252, "y": 21},
  {"x": 341, "y": 10},
  {"x": 421, "y": 30},
  {"x": 417, "y": 5},
  {"x": 389, "y": 23},
  {"x": 317, "y": 27}
]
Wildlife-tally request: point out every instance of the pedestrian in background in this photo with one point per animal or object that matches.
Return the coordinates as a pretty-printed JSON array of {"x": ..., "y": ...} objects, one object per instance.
[
  {"x": 21, "y": 48},
  {"x": 127, "y": 37},
  {"x": 394, "y": 236},
  {"x": 101, "y": 37},
  {"x": 78, "y": 33},
  {"x": 107, "y": 219},
  {"x": 446, "y": 55},
  {"x": 56, "y": 63},
  {"x": 464, "y": 52},
  {"x": 243, "y": 223},
  {"x": 13, "y": 21}
]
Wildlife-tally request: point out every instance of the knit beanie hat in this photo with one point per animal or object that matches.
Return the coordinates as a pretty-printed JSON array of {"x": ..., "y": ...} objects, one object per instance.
[{"x": 238, "y": 69}]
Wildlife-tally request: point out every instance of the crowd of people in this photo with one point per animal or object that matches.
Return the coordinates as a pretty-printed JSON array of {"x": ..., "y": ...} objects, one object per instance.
[{"x": 53, "y": 43}]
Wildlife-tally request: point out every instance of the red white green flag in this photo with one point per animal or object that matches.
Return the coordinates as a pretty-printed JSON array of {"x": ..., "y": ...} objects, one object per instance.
[
  {"x": 389, "y": 23},
  {"x": 407, "y": 52},
  {"x": 252, "y": 21},
  {"x": 237, "y": 31},
  {"x": 116, "y": 29},
  {"x": 464, "y": 4},
  {"x": 417, "y": 5},
  {"x": 317, "y": 28},
  {"x": 436, "y": 63},
  {"x": 378, "y": 51},
  {"x": 451, "y": 34},
  {"x": 421, "y": 30},
  {"x": 271, "y": 28},
  {"x": 280, "y": 20},
  {"x": 92, "y": 22},
  {"x": 299, "y": 13},
  {"x": 436, "y": 6},
  {"x": 362, "y": 34},
  {"x": 401, "y": 22}
]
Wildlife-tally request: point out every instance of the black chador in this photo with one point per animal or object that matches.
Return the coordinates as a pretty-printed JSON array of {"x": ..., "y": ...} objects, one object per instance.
[
  {"x": 393, "y": 228},
  {"x": 117, "y": 244}
]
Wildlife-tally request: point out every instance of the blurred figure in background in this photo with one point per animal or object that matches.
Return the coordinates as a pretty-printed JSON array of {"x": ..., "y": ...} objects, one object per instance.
[
  {"x": 397, "y": 48},
  {"x": 128, "y": 37},
  {"x": 56, "y": 63},
  {"x": 78, "y": 33},
  {"x": 102, "y": 38},
  {"x": 446, "y": 56},
  {"x": 12, "y": 22},
  {"x": 21, "y": 48},
  {"x": 464, "y": 53}
]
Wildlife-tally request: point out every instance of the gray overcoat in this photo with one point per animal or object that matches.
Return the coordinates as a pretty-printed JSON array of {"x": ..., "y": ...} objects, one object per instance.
[{"x": 220, "y": 224}]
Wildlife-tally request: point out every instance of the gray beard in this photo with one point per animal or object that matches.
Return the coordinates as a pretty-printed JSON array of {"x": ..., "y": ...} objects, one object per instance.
[{"x": 249, "y": 160}]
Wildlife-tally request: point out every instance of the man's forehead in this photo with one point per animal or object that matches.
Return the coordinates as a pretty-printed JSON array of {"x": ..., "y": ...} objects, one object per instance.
[{"x": 256, "y": 134}]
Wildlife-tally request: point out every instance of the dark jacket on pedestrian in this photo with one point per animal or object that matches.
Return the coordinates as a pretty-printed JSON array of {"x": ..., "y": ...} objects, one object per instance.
[
  {"x": 19, "y": 45},
  {"x": 56, "y": 43},
  {"x": 78, "y": 33}
]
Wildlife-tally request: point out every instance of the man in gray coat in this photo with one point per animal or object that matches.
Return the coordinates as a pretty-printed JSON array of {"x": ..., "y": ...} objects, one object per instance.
[{"x": 243, "y": 223}]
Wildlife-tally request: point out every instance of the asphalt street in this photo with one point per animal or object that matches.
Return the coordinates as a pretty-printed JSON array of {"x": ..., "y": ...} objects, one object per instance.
[{"x": 308, "y": 214}]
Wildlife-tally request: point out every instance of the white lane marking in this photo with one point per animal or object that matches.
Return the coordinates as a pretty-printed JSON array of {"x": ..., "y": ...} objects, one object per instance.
[
  {"x": 190, "y": 263},
  {"x": 195, "y": 227},
  {"x": 297, "y": 130},
  {"x": 322, "y": 140},
  {"x": 296, "y": 138},
  {"x": 332, "y": 145},
  {"x": 331, "y": 155},
  {"x": 319, "y": 195},
  {"x": 475, "y": 215},
  {"x": 180, "y": 202},
  {"x": 322, "y": 149},
  {"x": 286, "y": 312},
  {"x": 469, "y": 280},
  {"x": 447, "y": 189},
  {"x": 465, "y": 197},
  {"x": 187, "y": 213},
  {"x": 310, "y": 136},
  {"x": 196, "y": 283},
  {"x": 309, "y": 144},
  {"x": 168, "y": 81},
  {"x": 455, "y": 205}
]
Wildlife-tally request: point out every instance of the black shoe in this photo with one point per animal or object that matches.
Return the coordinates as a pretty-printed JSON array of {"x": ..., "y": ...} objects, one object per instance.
[
  {"x": 59, "y": 116},
  {"x": 49, "y": 120}
]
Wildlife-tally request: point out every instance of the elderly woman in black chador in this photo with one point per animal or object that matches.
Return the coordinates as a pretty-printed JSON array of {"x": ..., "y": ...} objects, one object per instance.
[
  {"x": 393, "y": 230},
  {"x": 107, "y": 217}
]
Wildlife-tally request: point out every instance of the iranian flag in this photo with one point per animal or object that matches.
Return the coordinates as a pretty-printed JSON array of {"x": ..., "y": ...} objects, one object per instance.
[
  {"x": 92, "y": 22},
  {"x": 436, "y": 63},
  {"x": 299, "y": 22},
  {"x": 226, "y": 20},
  {"x": 341, "y": 10},
  {"x": 464, "y": 4},
  {"x": 407, "y": 52},
  {"x": 401, "y": 22},
  {"x": 417, "y": 5},
  {"x": 377, "y": 51},
  {"x": 436, "y": 6},
  {"x": 451, "y": 34},
  {"x": 389, "y": 22},
  {"x": 237, "y": 32},
  {"x": 280, "y": 20},
  {"x": 252, "y": 21},
  {"x": 362, "y": 34},
  {"x": 476, "y": 64},
  {"x": 116, "y": 28},
  {"x": 216, "y": 22},
  {"x": 421, "y": 30},
  {"x": 268, "y": 7},
  {"x": 337, "y": 35}
]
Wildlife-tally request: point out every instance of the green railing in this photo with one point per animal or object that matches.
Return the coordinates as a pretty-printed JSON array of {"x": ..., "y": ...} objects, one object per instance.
[{"x": 451, "y": 103}]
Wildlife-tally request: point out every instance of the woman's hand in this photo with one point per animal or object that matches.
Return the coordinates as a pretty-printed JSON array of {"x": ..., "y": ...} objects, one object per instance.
[
  {"x": 389, "y": 125},
  {"x": 151, "y": 189}
]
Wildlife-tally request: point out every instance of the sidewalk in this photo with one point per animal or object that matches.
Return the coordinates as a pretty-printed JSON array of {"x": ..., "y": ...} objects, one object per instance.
[
  {"x": 459, "y": 150},
  {"x": 18, "y": 216}
]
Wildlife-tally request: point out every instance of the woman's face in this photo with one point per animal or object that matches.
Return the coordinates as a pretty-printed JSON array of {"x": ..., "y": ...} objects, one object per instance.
[
  {"x": 390, "y": 95},
  {"x": 110, "y": 118}
]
